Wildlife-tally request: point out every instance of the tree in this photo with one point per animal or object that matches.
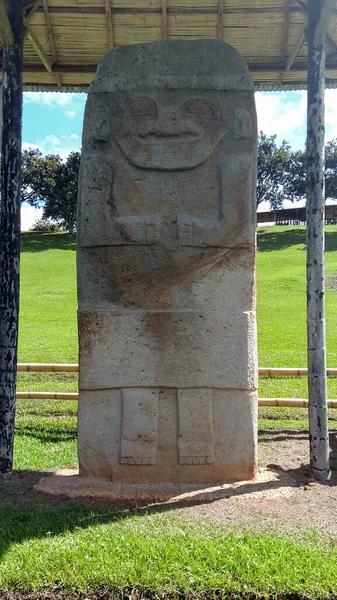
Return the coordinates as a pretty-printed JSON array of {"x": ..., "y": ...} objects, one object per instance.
[
  {"x": 52, "y": 183},
  {"x": 38, "y": 175},
  {"x": 298, "y": 171},
  {"x": 273, "y": 167},
  {"x": 61, "y": 197}
]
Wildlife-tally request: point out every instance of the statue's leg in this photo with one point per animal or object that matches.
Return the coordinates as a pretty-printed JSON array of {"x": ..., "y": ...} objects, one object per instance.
[
  {"x": 139, "y": 426},
  {"x": 195, "y": 438}
]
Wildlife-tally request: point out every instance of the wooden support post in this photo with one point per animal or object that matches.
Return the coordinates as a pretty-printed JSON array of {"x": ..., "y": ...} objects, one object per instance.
[
  {"x": 5, "y": 27},
  {"x": 1, "y": 121},
  {"x": 317, "y": 382},
  {"x": 10, "y": 230}
]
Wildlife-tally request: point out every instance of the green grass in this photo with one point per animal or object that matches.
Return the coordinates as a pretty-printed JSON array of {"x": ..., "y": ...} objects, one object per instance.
[
  {"x": 281, "y": 297},
  {"x": 48, "y": 299},
  {"x": 46, "y": 432},
  {"x": 45, "y": 436},
  {"x": 72, "y": 547},
  {"x": 65, "y": 546},
  {"x": 48, "y": 330}
]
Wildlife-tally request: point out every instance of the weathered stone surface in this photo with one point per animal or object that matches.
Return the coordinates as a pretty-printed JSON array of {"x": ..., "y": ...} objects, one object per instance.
[
  {"x": 185, "y": 348},
  {"x": 229, "y": 437},
  {"x": 166, "y": 258}
]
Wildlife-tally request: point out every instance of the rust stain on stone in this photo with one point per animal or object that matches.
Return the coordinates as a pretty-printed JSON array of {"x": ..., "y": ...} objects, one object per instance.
[{"x": 89, "y": 327}]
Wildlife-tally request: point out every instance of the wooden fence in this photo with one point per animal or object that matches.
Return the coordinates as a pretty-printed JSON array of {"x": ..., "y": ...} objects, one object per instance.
[{"x": 73, "y": 368}]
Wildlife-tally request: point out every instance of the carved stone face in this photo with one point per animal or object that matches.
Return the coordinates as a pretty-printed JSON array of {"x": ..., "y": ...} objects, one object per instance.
[{"x": 169, "y": 130}]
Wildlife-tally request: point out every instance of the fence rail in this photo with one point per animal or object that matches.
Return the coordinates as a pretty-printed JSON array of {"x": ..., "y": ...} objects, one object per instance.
[
  {"x": 286, "y": 402},
  {"x": 73, "y": 368}
]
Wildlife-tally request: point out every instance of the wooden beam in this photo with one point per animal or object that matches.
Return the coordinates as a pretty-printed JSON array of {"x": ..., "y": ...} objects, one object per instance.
[
  {"x": 109, "y": 23},
  {"x": 172, "y": 10},
  {"x": 164, "y": 20},
  {"x": 285, "y": 36},
  {"x": 304, "y": 9},
  {"x": 38, "y": 48},
  {"x": 316, "y": 342},
  {"x": 5, "y": 26},
  {"x": 51, "y": 40},
  {"x": 33, "y": 9},
  {"x": 92, "y": 68},
  {"x": 332, "y": 42},
  {"x": 296, "y": 49},
  {"x": 220, "y": 19},
  {"x": 302, "y": 6},
  {"x": 322, "y": 27},
  {"x": 49, "y": 30},
  {"x": 30, "y": 15}
]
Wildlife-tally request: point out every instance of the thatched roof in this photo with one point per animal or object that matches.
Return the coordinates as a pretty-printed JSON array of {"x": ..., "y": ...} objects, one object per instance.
[{"x": 67, "y": 38}]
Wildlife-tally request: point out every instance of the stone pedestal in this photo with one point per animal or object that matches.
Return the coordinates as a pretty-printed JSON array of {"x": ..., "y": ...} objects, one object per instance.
[{"x": 166, "y": 262}]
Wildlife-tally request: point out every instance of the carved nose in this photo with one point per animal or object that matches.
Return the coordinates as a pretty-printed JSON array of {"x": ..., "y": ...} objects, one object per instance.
[{"x": 170, "y": 123}]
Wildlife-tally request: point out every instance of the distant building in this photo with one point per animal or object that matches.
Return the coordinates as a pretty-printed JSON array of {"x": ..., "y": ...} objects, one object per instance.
[{"x": 293, "y": 213}]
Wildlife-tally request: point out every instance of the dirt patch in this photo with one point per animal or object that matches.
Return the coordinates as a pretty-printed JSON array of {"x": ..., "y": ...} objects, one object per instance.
[
  {"x": 282, "y": 494},
  {"x": 331, "y": 282}
]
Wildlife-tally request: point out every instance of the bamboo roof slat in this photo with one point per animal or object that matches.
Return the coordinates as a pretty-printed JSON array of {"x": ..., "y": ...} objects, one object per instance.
[{"x": 79, "y": 32}]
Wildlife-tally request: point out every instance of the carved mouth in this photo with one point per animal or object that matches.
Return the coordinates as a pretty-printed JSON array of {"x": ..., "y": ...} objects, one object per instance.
[{"x": 169, "y": 137}]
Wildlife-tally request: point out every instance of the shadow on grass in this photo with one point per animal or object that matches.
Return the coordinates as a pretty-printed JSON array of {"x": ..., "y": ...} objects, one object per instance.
[
  {"x": 279, "y": 435},
  {"x": 27, "y": 514},
  {"x": 33, "y": 241},
  {"x": 46, "y": 434},
  {"x": 267, "y": 241}
]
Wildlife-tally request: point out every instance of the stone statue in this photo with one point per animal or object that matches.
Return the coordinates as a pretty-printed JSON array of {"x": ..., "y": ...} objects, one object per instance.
[{"x": 166, "y": 255}]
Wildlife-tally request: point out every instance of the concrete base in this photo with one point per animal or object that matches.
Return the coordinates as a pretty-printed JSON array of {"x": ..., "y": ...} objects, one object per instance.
[{"x": 68, "y": 483}]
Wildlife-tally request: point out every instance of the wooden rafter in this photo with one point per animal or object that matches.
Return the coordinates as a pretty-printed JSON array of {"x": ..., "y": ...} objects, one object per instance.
[
  {"x": 285, "y": 36},
  {"x": 109, "y": 23},
  {"x": 51, "y": 39},
  {"x": 38, "y": 48},
  {"x": 324, "y": 19},
  {"x": 220, "y": 19},
  {"x": 304, "y": 9},
  {"x": 296, "y": 48},
  {"x": 5, "y": 26},
  {"x": 29, "y": 16},
  {"x": 164, "y": 20}
]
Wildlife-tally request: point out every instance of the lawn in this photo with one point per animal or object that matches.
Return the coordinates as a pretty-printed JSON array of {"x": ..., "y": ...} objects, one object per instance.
[
  {"x": 48, "y": 307},
  {"x": 66, "y": 547}
]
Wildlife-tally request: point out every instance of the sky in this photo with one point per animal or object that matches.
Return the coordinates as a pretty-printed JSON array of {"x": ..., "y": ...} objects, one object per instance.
[{"x": 52, "y": 122}]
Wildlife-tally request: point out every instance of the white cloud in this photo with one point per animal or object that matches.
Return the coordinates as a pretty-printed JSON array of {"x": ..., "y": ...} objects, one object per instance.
[
  {"x": 48, "y": 98},
  {"x": 331, "y": 114},
  {"x": 29, "y": 146},
  {"x": 283, "y": 113},
  {"x": 52, "y": 144},
  {"x": 68, "y": 103},
  {"x": 29, "y": 215}
]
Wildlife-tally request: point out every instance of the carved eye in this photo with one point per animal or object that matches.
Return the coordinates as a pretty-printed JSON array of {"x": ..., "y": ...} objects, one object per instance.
[
  {"x": 143, "y": 106},
  {"x": 199, "y": 108}
]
